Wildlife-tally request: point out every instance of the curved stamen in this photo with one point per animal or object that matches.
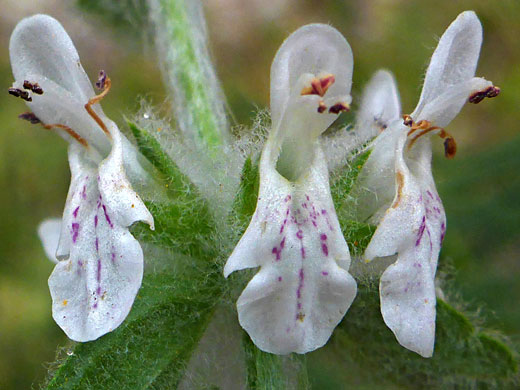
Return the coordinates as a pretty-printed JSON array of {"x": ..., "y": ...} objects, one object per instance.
[
  {"x": 105, "y": 83},
  {"x": 33, "y": 119},
  {"x": 69, "y": 131},
  {"x": 450, "y": 146}
]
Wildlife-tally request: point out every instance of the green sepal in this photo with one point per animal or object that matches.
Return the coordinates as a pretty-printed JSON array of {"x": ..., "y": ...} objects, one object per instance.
[
  {"x": 342, "y": 181},
  {"x": 186, "y": 228},
  {"x": 177, "y": 183},
  {"x": 266, "y": 371},
  {"x": 357, "y": 235},
  {"x": 245, "y": 202},
  {"x": 155, "y": 341}
]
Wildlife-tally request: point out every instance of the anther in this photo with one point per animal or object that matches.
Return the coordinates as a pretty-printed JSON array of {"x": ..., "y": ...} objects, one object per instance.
[
  {"x": 104, "y": 83},
  {"x": 319, "y": 86},
  {"x": 321, "y": 107},
  {"x": 35, "y": 87},
  {"x": 102, "y": 78},
  {"x": 29, "y": 116},
  {"x": 407, "y": 120},
  {"x": 339, "y": 107},
  {"x": 489, "y": 92},
  {"x": 17, "y": 92},
  {"x": 450, "y": 147}
]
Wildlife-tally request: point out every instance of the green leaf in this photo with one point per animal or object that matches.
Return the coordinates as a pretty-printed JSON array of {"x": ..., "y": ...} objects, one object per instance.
[
  {"x": 464, "y": 356},
  {"x": 151, "y": 348},
  {"x": 128, "y": 14}
]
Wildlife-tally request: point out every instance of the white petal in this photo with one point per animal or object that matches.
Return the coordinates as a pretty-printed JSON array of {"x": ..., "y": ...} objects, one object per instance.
[
  {"x": 40, "y": 46},
  {"x": 413, "y": 227},
  {"x": 312, "y": 49},
  {"x": 118, "y": 195},
  {"x": 408, "y": 299},
  {"x": 454, "y": 60},
  {"x": 94, "y": 289},
  {"x": 303, "y": 289},
  {"x": 375, "y": 190},
  {"x": 380, "y": 105},
  {"x": 49, "y": 234}
]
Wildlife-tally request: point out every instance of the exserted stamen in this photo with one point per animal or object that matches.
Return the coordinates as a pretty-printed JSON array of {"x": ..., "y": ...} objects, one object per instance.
[
  {"x": 33, "y": 119},
  {"x": 489, "y": 92},
  {"x": 319, "y": 85},
  {"x": 105, "y": 84}
]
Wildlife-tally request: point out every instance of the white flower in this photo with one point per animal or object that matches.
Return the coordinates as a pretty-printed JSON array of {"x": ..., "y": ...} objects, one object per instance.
[
  {"x": 303, "y": 289},
  {"x": 398, "y": 173},
  {"x": 100, "y": 265}
]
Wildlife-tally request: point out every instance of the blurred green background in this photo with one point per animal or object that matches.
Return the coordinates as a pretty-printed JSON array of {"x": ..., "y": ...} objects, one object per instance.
[{"x": 480, "y": 187}]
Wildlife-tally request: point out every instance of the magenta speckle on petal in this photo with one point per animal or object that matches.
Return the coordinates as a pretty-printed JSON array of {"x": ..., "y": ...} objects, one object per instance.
[
  {"x": 282, "y": 243},
  {"x": 97, "y": 245},
  {"x": 323, "y": 237},
  {"x": 98, "y": 273},
  {"x": 299, "y": 234},
  {"x": 443, "y": 231},
  {"x": 113, "y": 256},
  {"x": 325, "y": 249},
  {"x": 95, "y": 305},
  {"x": 323, "y": 211},
  {"x": 299, "y": 306},
  {"x": 324, "y": 273},
  {"x": 98, "y": 290},
  {"x": 95, "y": 220},
  {"x": 107, "y": 217},
  {"x": 421, "y": 231},
  {"x": 279, "y": 278},
  {"x": 300, "y": 284},
  {"x": 84, "y": 192},
  {"x": 75, "y": 212},
  {"x": 75, "y": 232},
  {"x": 303, "y": 252},
  {"x": 277, "y": 253}
]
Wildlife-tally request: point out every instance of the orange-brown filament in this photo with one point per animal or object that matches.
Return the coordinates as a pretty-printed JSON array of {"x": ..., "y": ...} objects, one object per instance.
[
  {"x": 319, "y": 86},
  {"x": 69, "y": 131},
  {"x": 400, "y": 185},
  {"x": 97, "y": 99},
  {"x": 450, "y": 146}
]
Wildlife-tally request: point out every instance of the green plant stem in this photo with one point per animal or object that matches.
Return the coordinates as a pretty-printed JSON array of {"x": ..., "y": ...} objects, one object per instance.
[{"x": 181, "y": 41}]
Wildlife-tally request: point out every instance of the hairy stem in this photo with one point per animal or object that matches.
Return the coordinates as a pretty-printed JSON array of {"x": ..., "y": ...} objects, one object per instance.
[{"x": 181, "y": 41}]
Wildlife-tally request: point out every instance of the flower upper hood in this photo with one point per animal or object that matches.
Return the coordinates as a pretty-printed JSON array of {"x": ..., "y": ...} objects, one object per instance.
[
  {"x": 398, "y": 174},
  {"x": 100, "y": 264},
  {"x": 303, "y": 288}
]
